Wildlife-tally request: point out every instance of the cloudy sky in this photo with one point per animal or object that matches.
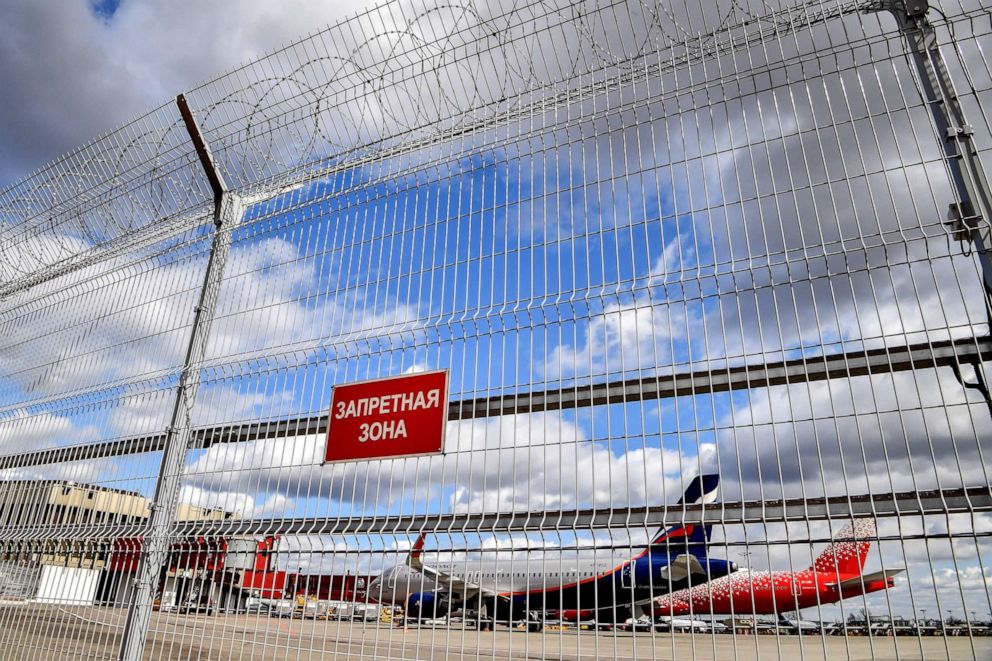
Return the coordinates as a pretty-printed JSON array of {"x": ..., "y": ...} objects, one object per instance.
[
  {"x": 75, "y": 70},
  {"x": 644, "y": 238}
]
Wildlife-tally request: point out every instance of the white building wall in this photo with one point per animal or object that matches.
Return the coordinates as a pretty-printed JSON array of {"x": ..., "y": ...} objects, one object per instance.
[{"x": 67, "y": 585}]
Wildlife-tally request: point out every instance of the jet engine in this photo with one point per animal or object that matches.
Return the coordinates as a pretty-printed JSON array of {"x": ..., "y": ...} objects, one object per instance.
[{"x": 426, "y": 606}]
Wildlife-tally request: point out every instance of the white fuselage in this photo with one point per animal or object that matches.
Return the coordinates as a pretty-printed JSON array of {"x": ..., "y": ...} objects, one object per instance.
[{"x": 543, "y": 573}]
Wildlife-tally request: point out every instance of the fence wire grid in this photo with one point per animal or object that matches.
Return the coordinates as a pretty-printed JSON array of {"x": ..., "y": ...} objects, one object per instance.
[{"x": 709, "y": 281}]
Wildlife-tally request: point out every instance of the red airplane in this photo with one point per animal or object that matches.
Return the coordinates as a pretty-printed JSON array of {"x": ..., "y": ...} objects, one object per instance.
[{"x": 835, "y": 575}]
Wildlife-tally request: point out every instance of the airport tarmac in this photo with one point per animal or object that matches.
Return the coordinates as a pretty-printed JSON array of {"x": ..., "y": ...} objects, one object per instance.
[{"x": 58, "y": 632}]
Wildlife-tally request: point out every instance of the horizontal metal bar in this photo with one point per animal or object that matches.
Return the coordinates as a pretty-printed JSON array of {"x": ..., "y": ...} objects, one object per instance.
[
  {"x": 799, "y": 370},
  {"x": 910, "y": 503},
  {"x": 797, "y": 509},
  {"x": 695, "y": 382}
]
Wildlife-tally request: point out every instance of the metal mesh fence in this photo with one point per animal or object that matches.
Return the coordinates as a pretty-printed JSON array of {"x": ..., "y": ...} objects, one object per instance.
[{"x": 654, "y": 245}]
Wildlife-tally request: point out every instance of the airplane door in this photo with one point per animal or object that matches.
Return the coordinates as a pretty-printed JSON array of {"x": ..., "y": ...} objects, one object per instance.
[{"x": 627, "y": 579}]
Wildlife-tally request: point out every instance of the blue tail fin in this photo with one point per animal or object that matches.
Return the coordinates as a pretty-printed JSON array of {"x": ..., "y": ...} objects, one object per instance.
[{"x": 702, "y": 489}]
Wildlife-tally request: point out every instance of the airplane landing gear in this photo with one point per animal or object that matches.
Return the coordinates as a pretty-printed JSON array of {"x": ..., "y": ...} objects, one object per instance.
[{"x": 487, "y": 622}]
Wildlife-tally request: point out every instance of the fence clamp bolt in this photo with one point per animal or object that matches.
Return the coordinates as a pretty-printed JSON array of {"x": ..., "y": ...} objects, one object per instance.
[
  {"x": 961, "y": 221},
  {"x": 958, "y": 132},
  {"x": 916, "y": 8}
]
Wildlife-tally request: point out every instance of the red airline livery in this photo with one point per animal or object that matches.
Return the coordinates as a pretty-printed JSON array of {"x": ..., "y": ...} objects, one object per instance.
[
  {"x": 835, "y": 575},
  {"x": 395, "y": 417}
]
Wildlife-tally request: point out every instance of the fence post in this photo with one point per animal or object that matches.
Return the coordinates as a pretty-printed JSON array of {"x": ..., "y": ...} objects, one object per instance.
[
  {"x": 969, "y": 215},
  {"x": 228, "y": 210}
]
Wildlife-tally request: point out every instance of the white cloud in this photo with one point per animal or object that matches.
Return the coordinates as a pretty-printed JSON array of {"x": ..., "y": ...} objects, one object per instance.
[
  {"x": 523, "y": 462},
  {"x": 99, "y": 337},
  {"x": 137, "y": 325},
  {"x": 84, "y": 472},
  {"x": 21, "y": 430},
  {"x": 237, "y": 503},
  {"x": 38, "y": 252},
  {"x": 69, "y": 75},
  {"x": 625, "y": 336},
  {"x": 850, "y": 437}
]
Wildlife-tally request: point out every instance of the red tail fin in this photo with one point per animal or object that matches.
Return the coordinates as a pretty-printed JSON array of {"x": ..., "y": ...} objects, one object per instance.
[
  {"x": 414, "y": 559},
  {"x": 846, "y": 555}
]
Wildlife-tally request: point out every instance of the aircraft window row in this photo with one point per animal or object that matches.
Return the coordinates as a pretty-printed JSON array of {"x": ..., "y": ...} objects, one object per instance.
[
  {"x": 487, "y": 575},
  {"x": 523, "y": 574}
]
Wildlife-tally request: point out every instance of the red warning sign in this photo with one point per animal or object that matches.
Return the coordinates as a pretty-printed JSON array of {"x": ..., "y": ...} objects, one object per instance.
[{"x": 399, "y": 416}]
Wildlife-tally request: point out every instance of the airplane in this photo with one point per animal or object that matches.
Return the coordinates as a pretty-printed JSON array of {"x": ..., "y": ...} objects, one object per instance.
[
  {"x": 526, "y": 589},
  {"x": 797, "y": 626},
  {"x": 836, "y": 574},
  {"x": 688, "y": 625}
]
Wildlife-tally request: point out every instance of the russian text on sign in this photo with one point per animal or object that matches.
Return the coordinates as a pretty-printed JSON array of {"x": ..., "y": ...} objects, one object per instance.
[{"x": 384, "y": 404}]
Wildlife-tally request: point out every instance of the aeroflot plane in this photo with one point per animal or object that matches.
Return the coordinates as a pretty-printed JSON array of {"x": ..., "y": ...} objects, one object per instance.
[{"x": 526, "y": 589}]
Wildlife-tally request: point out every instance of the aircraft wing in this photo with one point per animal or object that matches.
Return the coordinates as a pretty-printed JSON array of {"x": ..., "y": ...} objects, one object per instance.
[
  {"x": 866, "y": 579},
  {"x": 679, "y": 569},
  {"x": 682, "y": 566},
  {"x": 454, "y": 585}
]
